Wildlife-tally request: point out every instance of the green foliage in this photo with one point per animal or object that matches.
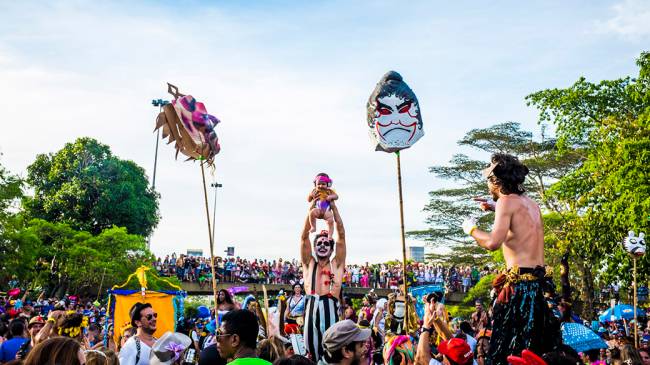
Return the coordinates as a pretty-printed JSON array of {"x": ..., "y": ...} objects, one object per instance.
[
  {"x": 11, "y": 190},
  {"x": 469, "y": 254},
  {"x": 56, "y": 257},
  {"x": 191, "y": 309},
  {"x": 85, "y": 186},
  {"x": 460, "y": 311},
  {"x": 449, "y": 206},
  {"x": 608, "y": 193},
  {"x": 12, "y": 256},
  {"x": 480, "y": 291}
]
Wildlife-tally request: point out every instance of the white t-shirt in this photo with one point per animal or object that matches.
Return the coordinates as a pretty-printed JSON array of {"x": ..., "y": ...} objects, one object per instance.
[{"x": 129, "y": 352}]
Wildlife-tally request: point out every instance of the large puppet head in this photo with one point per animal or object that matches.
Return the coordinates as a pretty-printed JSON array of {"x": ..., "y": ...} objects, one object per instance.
[
  {"x": 323, "y": 246},
  {"x": 394, "y": 114},
  {"x": 187, "y": 122},
  {"x": 635, "y": 245}
]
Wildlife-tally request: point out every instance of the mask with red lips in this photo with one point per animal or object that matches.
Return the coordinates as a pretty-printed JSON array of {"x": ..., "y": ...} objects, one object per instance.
[{"x": 394, "y": 114}]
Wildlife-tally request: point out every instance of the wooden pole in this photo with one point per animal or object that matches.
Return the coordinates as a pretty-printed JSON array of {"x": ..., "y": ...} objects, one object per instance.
[
  {"x": 636, "y": 325},
  {"x": 99, "y": 293},
  {"x": 207, "y": 214},
  {"x": 401, "y": 217}
]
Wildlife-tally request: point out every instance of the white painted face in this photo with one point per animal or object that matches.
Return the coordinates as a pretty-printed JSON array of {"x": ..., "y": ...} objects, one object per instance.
[
  {"x": 322, "y": 247},
  {"x": 396, "y": 122}
]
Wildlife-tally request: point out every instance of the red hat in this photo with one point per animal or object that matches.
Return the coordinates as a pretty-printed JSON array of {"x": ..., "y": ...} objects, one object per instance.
[
  {"x": 527, "y": 358},
  {"x": 457, "y": 350}
]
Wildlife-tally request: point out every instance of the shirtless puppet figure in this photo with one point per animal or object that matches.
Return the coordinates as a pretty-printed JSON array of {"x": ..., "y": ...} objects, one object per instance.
[{"x": 521, "y": 317}]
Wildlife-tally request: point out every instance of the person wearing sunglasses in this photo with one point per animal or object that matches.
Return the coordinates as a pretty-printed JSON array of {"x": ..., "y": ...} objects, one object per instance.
[
  {"x": 237, "y": 338},
  {"x": 136, "y": 350}
]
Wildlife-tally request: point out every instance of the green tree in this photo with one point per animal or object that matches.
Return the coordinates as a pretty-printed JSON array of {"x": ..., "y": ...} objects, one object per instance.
[
  {"x": 449, "y": 206},
  {"x": 67, "y": 260},
  {"x": 85, "y": 186},
  {"x": 13, "y": 258},
  {"x": 609, "y": 193}
]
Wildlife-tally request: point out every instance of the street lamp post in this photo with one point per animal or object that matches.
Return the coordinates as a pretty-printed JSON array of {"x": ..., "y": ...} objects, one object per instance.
[
  {"x": 216, "y": 185},
  {"x": 159, "y": 103}
]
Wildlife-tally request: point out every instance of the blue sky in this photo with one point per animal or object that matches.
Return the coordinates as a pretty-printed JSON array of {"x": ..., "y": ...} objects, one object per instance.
[{"x": 290, "y": 80}]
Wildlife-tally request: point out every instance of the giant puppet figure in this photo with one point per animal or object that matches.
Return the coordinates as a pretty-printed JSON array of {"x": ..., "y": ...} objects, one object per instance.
[
  {"x": 394, "y": 114},
  {"x": 323, "y": 278},
  {"x": 395, "y": 124},
  {"x": 521, "y": 316}
]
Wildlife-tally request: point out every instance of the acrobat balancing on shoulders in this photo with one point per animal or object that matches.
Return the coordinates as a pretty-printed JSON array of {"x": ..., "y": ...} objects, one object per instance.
[{"x": 320, "y": 197}]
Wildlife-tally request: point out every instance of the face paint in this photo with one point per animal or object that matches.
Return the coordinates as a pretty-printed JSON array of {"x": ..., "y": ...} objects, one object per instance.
[
  {"x": 323, "y": 248},
  {"x": 393, "y": 114}
]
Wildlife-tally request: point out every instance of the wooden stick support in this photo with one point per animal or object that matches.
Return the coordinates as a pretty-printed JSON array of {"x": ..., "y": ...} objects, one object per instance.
[
  {"x": 207, "y": 214},
  {"x": 634, "y": 302},
  {"x": 401, "y": 217}
]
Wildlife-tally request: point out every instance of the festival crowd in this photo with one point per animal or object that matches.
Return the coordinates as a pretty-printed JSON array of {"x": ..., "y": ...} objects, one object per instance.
[
  {"x": 526, "y": 323},
  {"x": 71, "y": 330},
  {"x": 191, "y": 268}
]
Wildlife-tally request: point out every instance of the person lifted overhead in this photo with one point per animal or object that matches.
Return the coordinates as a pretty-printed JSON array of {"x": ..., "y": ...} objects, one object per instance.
[{"x": 323, "y": 278}]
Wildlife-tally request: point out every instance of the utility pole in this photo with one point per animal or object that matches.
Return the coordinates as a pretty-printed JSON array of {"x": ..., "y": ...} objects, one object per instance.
[
  {"x": 216, "y": 185},
  {"x": 159, "y": 103}
]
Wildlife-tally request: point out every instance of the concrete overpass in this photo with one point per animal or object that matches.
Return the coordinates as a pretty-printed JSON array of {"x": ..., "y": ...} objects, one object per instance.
[{"x": 273, "y": 289}]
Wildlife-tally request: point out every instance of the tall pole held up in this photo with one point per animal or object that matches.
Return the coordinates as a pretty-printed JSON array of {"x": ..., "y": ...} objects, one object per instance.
[
  {"x": 401, "y": 217},
  {"x": 210, "y": 233},
  {"x": 636, "y": 325},
  {"x": 99, "y": 293},
  {"x": 216, "y": 186}
]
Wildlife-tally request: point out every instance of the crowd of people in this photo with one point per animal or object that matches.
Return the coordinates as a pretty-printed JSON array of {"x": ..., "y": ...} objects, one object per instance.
[
  {"x": 315, "y": 323},
  {"x": 192, "y": 268},
  {"x": 72, "y": 330}
]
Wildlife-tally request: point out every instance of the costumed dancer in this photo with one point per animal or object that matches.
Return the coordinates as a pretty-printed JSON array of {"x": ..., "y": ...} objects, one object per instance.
[
  {"x": 368, "y": 306},
  {"x": 323, "y": 278},
  {"x": 521, "y": 316},
  {"x": 320, "y": 197},
  {"x": 398, "y": 348},
  {"x": 295, "y": 312},
  {"x": 397, "y": 303}
]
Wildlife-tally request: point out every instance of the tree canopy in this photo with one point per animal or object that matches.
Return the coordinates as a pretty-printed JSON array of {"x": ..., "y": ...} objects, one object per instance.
[
  {"x": 86, "y": 187},
  {"x": 608, "y": 194},
  {"x": 449, "y": 206}
]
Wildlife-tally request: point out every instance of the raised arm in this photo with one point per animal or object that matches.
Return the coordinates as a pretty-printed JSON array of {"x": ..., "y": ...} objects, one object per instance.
[
  {"x": 492, "y": 241},
  {"x": 341, "y": 249},
  {"x": 305, "y": 245}
]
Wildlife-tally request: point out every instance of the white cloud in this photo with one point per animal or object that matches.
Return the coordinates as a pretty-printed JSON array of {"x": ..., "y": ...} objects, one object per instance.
[
  {"x": 289, "y": 84},
  {"x": 630, "y": 19}
]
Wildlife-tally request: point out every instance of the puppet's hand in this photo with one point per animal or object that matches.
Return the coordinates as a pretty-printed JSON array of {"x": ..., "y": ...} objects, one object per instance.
[
  {"x": 469, "y": 225},
  {"x": 486, "y": 205}
]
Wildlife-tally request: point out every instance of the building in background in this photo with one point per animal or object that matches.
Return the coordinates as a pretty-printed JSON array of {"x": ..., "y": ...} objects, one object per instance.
[
  {"x": 194, "y": 252},
  {"x": 416, "y": 253}
]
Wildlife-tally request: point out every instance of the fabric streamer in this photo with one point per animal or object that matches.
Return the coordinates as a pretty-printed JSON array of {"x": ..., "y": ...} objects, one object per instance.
[{"x": 403, "y": 346}]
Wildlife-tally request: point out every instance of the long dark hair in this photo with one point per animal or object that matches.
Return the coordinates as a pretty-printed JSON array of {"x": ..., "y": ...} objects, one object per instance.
[
  {"x": 56, "y": 350},
  {"x": 509, "y": 174},
  {"x": 227, "y": 298}
]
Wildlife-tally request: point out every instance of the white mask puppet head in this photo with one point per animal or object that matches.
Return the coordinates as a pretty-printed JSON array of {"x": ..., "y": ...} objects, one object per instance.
[
  {"x": 393, "y": 114},
  {"x": 323, "y": 247},
  {"x": 635, "y": 245}
]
